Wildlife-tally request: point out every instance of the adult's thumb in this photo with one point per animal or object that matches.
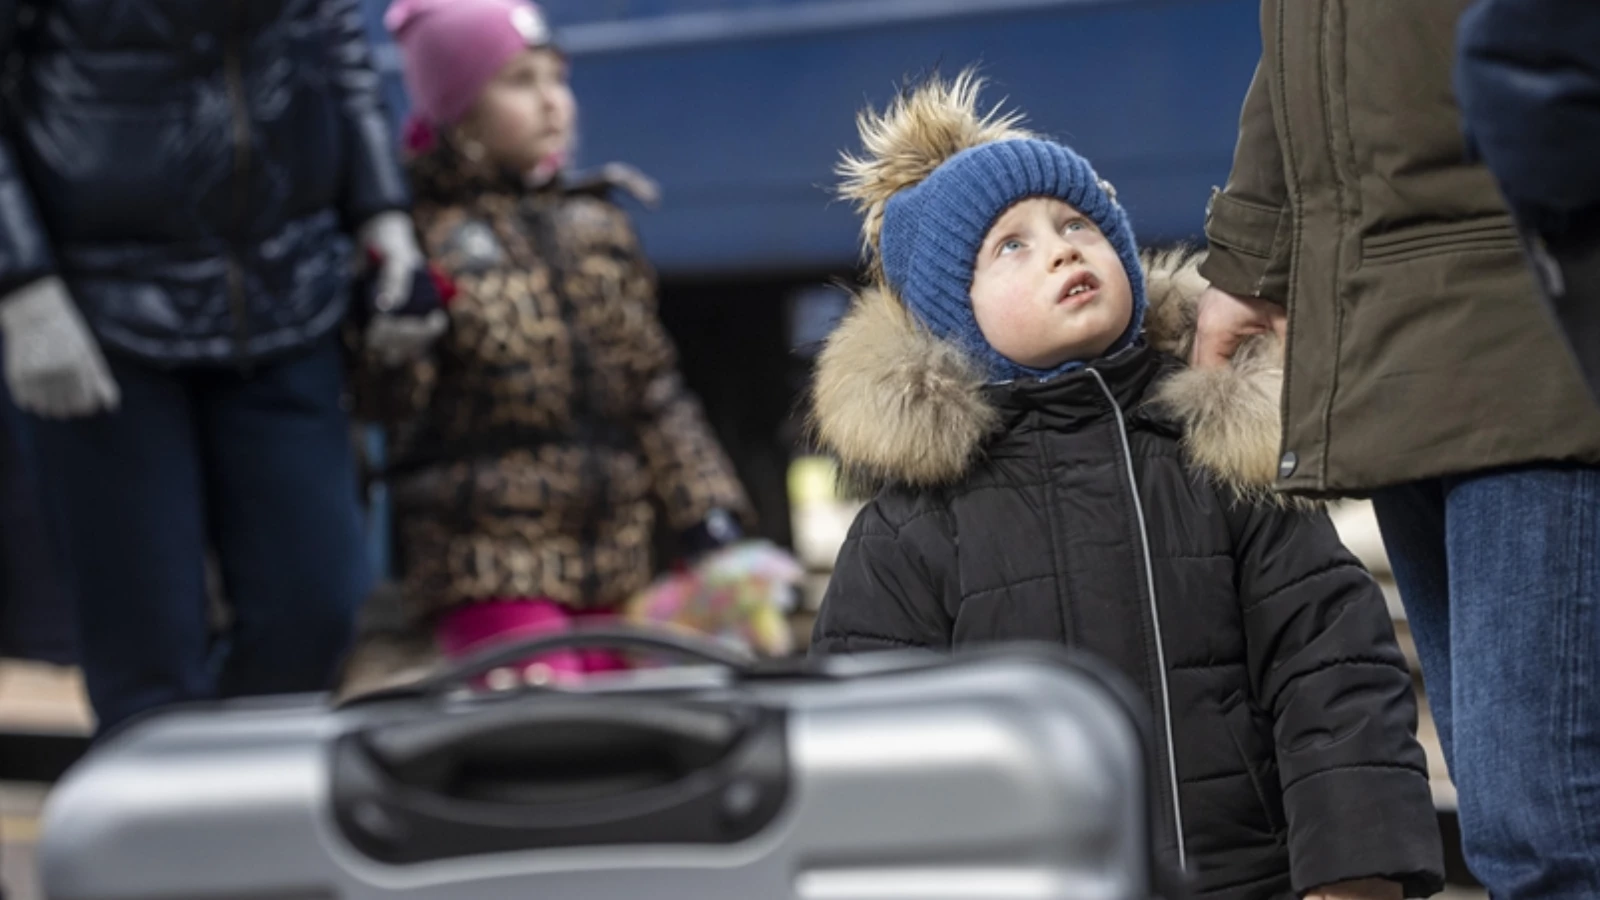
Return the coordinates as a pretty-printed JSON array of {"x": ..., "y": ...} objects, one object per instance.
[{"x": 1214, "y": 348}]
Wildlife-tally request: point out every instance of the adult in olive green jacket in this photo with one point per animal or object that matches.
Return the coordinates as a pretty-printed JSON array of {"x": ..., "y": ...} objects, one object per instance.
[
  {"x": 1418, "y": 346},
  {"x": 1421, "y": 368}
]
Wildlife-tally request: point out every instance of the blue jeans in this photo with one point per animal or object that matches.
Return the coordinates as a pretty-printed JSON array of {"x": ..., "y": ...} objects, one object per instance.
[
  {"x": 259, "y": 467},
  {"x": 1500, "y": 576}
]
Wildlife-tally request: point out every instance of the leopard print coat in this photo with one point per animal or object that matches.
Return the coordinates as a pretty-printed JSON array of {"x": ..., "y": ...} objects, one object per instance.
[{"x": 535, "y": 445}]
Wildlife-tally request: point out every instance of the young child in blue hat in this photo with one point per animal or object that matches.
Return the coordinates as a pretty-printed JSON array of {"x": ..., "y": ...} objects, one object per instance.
[{"x": 1046, "y": 468}]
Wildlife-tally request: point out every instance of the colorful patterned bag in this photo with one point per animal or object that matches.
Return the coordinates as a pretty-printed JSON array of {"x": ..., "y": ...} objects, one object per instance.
[{"x": 741, "y": 594}]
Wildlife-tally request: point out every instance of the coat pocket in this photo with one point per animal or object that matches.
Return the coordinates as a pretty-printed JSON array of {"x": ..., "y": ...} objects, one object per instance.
[
  {"x": 1437, "y": 239},
  {"x": 1255, "y": 757}
]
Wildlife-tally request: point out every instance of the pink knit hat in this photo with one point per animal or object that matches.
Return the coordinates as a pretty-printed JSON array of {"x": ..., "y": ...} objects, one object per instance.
[{"x": 452, "y": 48}]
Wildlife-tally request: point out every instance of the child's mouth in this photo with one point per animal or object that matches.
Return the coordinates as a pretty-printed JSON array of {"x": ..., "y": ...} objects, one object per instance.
[{"x": 1079, "y": 289}]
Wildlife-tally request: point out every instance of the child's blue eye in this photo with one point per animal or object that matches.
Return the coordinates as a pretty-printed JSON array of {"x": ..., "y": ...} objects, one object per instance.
[
  {"x": 1011, "y": 246},
  {"x": 1077, "y": 225}
]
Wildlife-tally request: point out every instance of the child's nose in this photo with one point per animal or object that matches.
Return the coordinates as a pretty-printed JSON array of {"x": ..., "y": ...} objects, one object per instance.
[{"x": 1066, "y": 253}]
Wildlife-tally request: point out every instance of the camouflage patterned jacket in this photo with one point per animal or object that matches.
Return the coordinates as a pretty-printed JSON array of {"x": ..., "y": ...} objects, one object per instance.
[{"x": 533, "y": 448}]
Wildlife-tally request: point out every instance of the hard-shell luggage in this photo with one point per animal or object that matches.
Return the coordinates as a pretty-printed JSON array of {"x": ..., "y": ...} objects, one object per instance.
[{"x": 1012, "y": 773}]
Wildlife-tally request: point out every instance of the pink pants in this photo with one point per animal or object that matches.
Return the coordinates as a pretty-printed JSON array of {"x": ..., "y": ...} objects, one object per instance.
[{"x": 477, "y": 626}]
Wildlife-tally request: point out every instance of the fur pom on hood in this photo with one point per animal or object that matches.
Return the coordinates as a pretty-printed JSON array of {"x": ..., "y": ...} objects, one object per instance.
[
  {"x": 902, "y": 145},
  {"x": 897, "y": 405}
]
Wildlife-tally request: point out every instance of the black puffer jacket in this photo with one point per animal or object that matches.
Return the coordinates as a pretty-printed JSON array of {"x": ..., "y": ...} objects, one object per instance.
[
  {"x": 192, "y": 168},
  {"x": 1073, "y": 511}
]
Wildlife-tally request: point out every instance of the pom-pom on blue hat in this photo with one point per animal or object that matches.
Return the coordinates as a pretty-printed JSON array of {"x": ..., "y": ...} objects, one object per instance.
[{"x": 936, "y": 177}]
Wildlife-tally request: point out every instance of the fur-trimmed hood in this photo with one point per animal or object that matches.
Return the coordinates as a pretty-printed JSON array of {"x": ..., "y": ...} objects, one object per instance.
[{"x": 895, "y": 404}]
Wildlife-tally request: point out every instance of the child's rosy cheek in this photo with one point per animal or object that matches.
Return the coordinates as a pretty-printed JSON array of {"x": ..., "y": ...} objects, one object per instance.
[{"x": 1016, "y": 307}]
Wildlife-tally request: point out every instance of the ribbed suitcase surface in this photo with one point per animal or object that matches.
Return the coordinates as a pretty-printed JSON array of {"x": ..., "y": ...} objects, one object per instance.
[{"x": 1014, "y": 773}]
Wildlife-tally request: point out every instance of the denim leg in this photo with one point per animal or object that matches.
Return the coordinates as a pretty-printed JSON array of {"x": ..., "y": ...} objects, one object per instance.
[
  {"x": 127, "y": 487},
  {"x": 1412, "y": 520},
  {"x": 287, "y": 521},
  {"x": 36, "y": 594},
  {"x": 1525, "y": 635}
]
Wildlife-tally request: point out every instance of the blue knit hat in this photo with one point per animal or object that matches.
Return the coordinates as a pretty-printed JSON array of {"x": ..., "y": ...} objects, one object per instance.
[{"x": 932, "y": 232}]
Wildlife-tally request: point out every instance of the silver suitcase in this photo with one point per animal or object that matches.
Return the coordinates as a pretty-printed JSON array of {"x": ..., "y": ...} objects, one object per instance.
[{"x": 1000, "y": 775}]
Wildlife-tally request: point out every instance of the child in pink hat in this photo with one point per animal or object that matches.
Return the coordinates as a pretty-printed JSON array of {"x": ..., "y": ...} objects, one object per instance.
[
  {"x": 454, "y": 55},
  {"x": 533, "y": 451}
]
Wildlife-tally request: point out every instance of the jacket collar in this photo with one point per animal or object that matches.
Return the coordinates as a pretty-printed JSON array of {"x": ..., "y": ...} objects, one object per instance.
[
  {"x": 445, "y": 176},
  {"x": 897, "y": 405},
  {"x": 1078, "y": 396}
]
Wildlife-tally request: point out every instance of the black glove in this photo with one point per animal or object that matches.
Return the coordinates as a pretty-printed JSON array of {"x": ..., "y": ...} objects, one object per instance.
[
  {"x": 406, "y": 331},
  {"x": 717, "y": 530}
]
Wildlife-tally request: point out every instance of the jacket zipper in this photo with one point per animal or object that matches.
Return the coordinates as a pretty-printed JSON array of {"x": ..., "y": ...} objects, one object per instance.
[
  {"x": 234, "y": 73},
  {"x": 1155, "y": 612},
  {"x": 592, "y": 477}
]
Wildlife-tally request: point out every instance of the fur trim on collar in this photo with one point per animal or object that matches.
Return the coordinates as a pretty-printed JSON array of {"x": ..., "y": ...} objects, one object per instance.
[
  {"x": 1232, "y": 418},
  {"x": 897, "y": 405}
]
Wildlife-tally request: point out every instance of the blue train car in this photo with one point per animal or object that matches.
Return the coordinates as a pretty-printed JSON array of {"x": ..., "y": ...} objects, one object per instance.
[{"x": 739, "y": 108}]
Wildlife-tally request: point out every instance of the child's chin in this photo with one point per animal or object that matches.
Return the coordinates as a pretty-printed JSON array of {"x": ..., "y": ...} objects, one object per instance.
[{"x": 1079, "y": 348}]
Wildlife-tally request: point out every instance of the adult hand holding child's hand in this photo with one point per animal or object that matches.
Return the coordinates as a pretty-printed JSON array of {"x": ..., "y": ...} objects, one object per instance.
[
  {"x": 1226, "y": 320},
  {"x": 400, "y": 327}
]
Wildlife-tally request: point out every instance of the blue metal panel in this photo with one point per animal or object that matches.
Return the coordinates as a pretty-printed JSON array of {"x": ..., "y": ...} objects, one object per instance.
[{"x": 740, "y": 109}]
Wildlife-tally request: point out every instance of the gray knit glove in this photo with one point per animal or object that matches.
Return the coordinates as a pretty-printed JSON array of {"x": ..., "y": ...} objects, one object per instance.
[{"x": 54, "y": 367}]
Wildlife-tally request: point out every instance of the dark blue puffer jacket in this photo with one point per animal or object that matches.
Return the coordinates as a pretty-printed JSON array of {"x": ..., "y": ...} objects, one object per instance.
[
  {"x": 1528, "y": 78},
  {"x": 1529, "y": 84},
  {"x": 193, "y": 168}
]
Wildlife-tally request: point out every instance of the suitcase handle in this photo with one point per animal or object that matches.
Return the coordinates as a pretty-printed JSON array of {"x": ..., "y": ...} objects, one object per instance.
[
  {"x": 433, "y": 753},
  {"x": 561, "y": 770},
  {"x": 681, "y": 645}
]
